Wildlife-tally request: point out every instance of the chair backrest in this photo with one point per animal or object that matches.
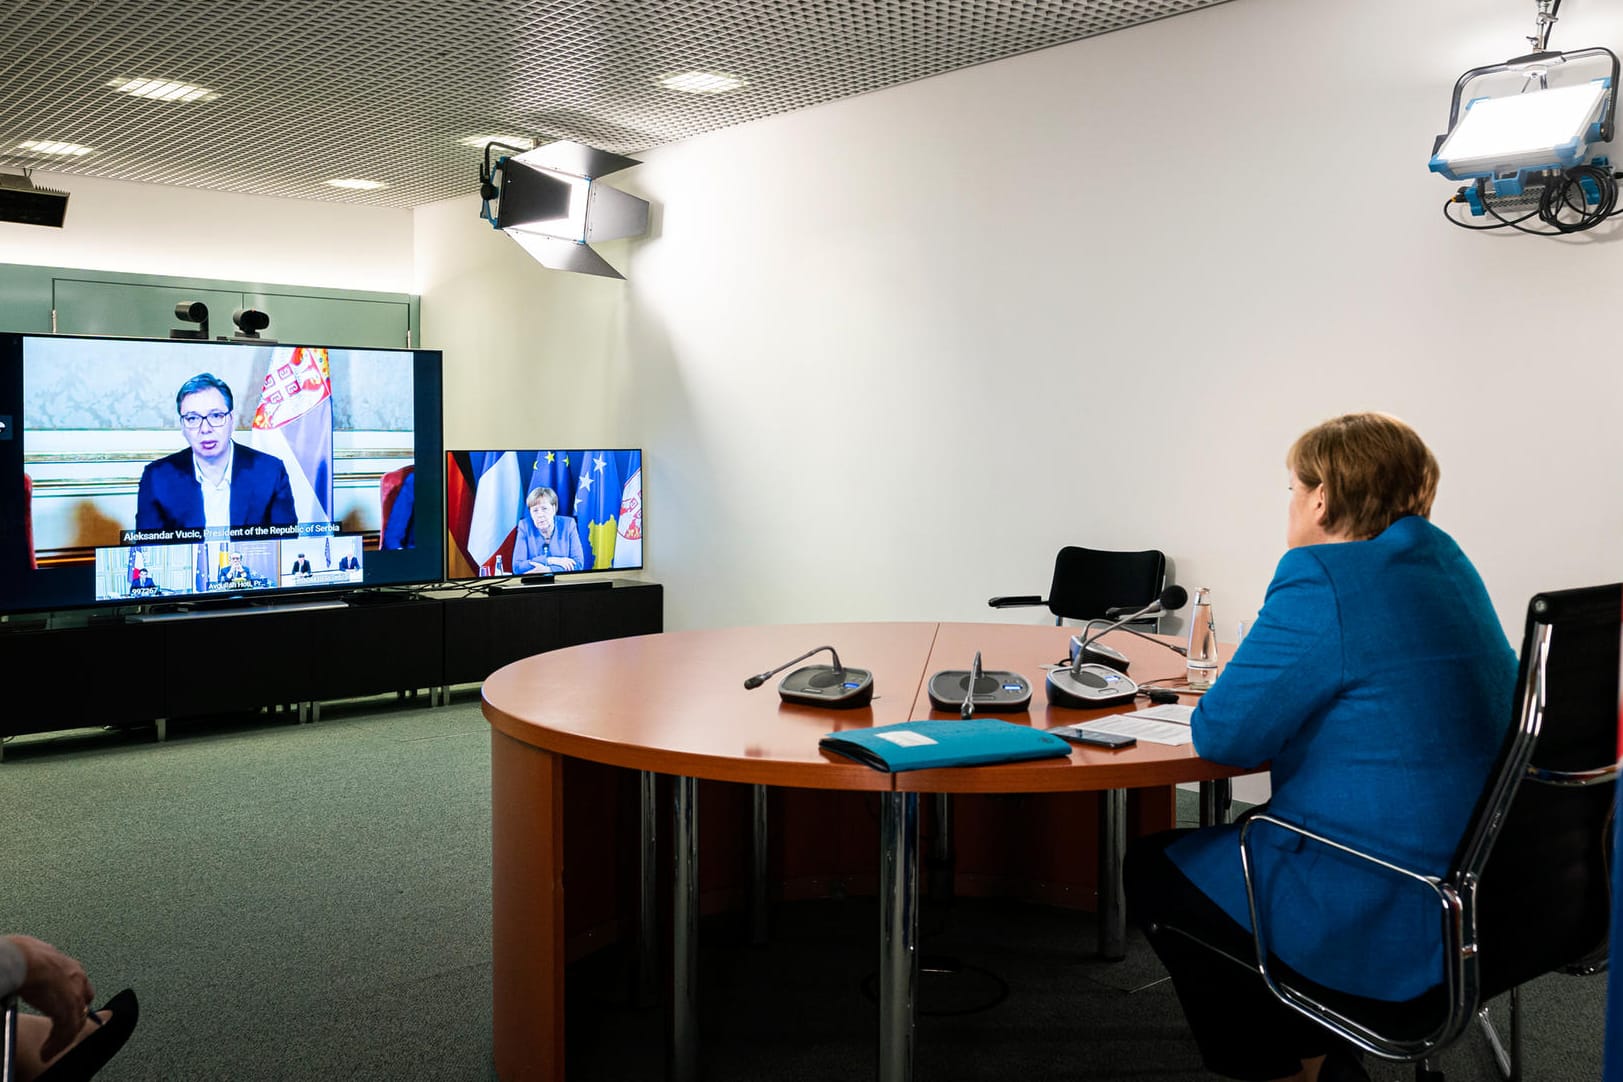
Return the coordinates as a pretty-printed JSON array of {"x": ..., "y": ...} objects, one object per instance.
[
  {"x": 1544, "y": 899},
  {"x": 389, "y": 490},
  {"x": 1089, "y": 581}
]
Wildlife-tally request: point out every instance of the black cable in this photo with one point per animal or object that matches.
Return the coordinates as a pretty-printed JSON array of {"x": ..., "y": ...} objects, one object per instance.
[
  {"x": 1558, "y": 196},
  {"x": 1561, "y": 193}
]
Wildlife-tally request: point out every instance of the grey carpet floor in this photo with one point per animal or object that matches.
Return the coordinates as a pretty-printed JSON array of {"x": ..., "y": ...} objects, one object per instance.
[{"x": 313, "y": 902}]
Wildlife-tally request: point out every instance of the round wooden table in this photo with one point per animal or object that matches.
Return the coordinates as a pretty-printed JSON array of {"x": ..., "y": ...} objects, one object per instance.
[{"x": 675, "y": 704}]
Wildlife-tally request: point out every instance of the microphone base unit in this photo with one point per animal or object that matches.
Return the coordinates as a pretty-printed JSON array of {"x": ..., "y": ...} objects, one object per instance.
[
  {"x": 997, "y": 692},
  {"x": 1098, "y": 653},
  {"x": 823, "y": 685},
  {"x": 1090, "y": 687}
]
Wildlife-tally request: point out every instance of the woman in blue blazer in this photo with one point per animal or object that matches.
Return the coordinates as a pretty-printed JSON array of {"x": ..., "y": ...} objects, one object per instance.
[{"x": 1377, "y": 684}]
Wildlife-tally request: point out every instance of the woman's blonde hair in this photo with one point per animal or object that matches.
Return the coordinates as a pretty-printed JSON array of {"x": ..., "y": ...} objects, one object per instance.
[{"x": 1374, "y": 468}]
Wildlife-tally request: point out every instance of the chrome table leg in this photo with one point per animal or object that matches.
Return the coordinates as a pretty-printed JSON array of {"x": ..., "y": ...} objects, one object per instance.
[{"x": 898, "y": 933}]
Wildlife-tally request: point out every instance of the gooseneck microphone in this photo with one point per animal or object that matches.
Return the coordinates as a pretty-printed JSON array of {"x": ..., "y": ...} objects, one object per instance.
[
  {"x": 1084, "y": 649},
  {"x": 968, "y": 706},
  {"x": 832, "y": 686},
  {"x": 760, "y": 678},
  {"x": 1097, "y": 675},
  {"x": 991, "y": 690},
  {"x": 1172, "y": 598}
]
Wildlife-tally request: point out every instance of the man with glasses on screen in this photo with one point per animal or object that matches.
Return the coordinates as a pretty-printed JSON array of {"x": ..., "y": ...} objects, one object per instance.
[{"x": 215, "y": 482}]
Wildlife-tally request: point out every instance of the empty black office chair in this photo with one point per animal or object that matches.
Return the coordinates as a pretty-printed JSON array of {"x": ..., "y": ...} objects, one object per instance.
[
  {"x": 1528, "y": 891},
  {"x": 1089, "y": 581}
]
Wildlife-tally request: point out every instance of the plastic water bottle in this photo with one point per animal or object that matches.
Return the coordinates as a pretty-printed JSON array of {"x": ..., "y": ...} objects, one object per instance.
[
  {"x": 1202, "y": 667},
  {"x": 499, "y": 570}
]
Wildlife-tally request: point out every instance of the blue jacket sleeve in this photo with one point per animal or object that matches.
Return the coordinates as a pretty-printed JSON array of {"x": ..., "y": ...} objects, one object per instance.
[
  {"x": 524, "y": 560},
  {"x": 575, "y": 552},
  {"x": 1285, "y": 672}
]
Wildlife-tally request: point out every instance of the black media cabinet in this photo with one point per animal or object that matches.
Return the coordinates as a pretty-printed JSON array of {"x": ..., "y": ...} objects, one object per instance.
[{"x": 119, "y": 673}]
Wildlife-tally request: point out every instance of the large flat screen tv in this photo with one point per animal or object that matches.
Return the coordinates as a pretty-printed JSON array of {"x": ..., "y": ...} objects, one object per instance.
[
  {"x": 557, "y": 512},
  {"x": 146, "y": 472}
]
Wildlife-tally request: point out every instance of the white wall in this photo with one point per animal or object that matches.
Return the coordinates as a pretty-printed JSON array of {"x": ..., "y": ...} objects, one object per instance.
[
  {"x": 115, "y": 225},
  {"x": 889, "y": 354}
]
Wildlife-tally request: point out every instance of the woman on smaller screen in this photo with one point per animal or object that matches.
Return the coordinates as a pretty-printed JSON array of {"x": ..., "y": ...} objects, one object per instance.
[{"x": 547, "y": 541}]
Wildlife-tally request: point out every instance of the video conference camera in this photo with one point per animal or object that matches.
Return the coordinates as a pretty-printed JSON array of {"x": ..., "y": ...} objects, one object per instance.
[
  {"x": 192, "y": 312},
  {"x": 249, "y": 321}
]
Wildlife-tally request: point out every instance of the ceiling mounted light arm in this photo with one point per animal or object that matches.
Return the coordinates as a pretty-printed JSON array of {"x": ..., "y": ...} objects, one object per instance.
[{"x": 1547, "y": 17}]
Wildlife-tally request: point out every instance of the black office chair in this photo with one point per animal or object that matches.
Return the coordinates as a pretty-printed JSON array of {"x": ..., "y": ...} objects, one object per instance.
[
  {"x": 1089, "y": 581},
  {"x": 1529, "y": 889}
]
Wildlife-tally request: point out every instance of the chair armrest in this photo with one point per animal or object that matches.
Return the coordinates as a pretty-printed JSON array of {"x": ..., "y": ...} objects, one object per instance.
[
  {"x": 1013, "y": 602},
  {"x": 1291, "y": 828},
  {"x": 1459, "y": 954},
  {"x": 8, "y": 1037},
  {"x": 1600, "y": 775}
]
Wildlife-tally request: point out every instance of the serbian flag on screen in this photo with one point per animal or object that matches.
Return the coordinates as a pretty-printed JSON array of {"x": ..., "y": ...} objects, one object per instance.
[
  {"x": 294, "y": 423},
  {"x": 628, "y": 530},
  {"x": 1613, "y": 1071},
  {"x": 485, "y": 499}
]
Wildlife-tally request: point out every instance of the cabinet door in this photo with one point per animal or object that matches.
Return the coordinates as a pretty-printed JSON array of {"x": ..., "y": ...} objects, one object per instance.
[
  {"x": 135, "y": 311},
  {"x": 333, "y": 321},
  {"x": 25, "y": 299}
]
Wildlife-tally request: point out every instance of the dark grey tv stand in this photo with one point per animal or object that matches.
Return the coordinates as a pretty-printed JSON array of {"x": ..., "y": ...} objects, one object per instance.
[{"x": 120, "y": 673}]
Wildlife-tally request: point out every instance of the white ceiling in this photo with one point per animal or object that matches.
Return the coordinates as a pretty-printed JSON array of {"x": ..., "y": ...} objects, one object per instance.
[{"x": 310, "y": 90}]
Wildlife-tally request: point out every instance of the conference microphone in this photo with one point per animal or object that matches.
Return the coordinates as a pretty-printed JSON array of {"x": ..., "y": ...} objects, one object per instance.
[
  {"x": 833, "y": 686},
  {"x": 1097, "y": 676},
  {"x": 1086, "y": 649},
  {"x": 965, "y": 690}
]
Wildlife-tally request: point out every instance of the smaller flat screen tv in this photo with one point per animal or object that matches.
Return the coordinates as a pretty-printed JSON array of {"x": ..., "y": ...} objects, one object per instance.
[{"x": 558, "y": 512}]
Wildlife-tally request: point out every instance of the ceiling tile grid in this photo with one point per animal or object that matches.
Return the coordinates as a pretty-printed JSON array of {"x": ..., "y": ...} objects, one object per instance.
[{"x": 305, "y": 91}]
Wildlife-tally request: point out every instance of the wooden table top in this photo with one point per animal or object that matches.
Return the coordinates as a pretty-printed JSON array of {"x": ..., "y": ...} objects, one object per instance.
[{"x": 675, "y": 703}]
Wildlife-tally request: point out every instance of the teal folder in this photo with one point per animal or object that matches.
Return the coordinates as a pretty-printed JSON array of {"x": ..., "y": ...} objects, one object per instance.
[{"x": 920, "y": 745}]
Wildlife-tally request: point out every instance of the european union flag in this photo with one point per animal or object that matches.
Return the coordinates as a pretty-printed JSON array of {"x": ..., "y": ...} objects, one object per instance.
[{"x": 556, "y": 470}]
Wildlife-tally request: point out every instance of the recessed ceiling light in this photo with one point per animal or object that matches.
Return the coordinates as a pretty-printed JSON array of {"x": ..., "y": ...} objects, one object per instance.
[
  {"x": 701, "y": 82},
  {"x": 357, "y": 184},
  {"x": 479, "y": 141},
  {"x": 48, "y": 146},
  {"x": 163, "y": 90}
]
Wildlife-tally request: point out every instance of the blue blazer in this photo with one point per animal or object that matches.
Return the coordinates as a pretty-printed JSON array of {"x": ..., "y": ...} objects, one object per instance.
[
  {"x": 1378, "y": 681},
  {"x": 565, "y": 542},
  {"x": 169, "y": 498}
]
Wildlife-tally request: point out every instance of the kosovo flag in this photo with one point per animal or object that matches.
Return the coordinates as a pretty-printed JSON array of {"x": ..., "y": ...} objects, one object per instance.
[{"x": 598, "y": 511}]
